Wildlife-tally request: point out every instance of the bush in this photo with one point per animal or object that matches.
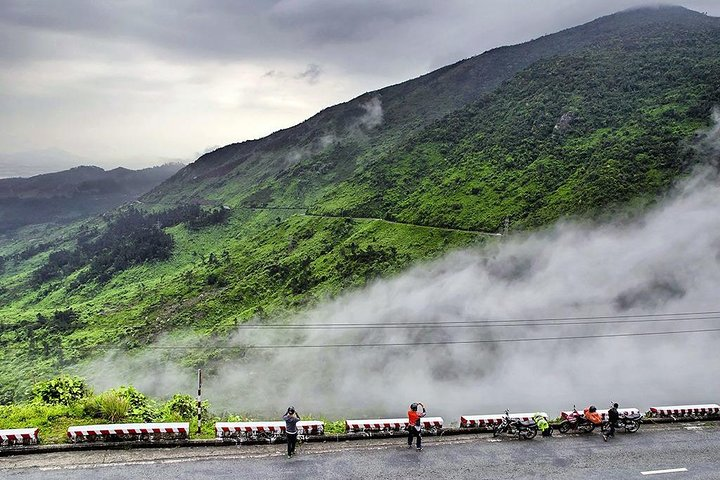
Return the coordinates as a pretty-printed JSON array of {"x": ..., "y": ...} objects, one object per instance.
[
  {"x": 63, "y": 390},
  {"x": 90, "y": 407},
  {"x": 184, "y": 407},
  {"x": 141, "y": 407},
  {"x": 112, "y": 406}
]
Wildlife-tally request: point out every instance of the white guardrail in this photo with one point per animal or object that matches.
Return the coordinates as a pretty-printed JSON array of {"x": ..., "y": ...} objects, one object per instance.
[
  {"x": 255, "y": 430},
  {"x": 488, "y": 421},
  {"x": 391, "y": 424},
  {"x": 128, "y": 431},
  {"x": 270, "y": 430},
  {"x": 685, "y": 410},
  {"x": 15, "y": 436}
]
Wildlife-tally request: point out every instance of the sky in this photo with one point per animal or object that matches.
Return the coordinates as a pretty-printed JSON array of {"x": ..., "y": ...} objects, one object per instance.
[{"x": 138, "y": 83}]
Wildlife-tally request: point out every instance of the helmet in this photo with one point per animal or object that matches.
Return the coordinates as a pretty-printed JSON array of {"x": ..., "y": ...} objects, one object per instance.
[
  {"x": 592, "y": 408},
  {"x": 413, "y": 407}
]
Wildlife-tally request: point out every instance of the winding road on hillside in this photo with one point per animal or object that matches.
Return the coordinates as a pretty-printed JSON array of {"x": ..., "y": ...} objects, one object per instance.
[
  {"x": 677, "y": 451},
  {"x": 304, "y": 213},
  {"x": 394, "y": 222}
]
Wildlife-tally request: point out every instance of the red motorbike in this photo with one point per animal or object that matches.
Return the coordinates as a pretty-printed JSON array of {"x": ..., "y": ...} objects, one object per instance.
[{"x": 576, "y": 422}]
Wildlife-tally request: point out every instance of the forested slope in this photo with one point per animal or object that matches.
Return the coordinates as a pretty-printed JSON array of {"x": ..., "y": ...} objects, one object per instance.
[{"x": 570, "y": 135}]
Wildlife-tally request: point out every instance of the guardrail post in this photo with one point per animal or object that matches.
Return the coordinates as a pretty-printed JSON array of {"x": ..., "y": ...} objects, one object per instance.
[{"x": 199, "y": 400}]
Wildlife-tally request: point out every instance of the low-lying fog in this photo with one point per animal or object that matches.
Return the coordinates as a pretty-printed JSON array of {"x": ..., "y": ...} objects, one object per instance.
[{"x": 667, "y": 262}]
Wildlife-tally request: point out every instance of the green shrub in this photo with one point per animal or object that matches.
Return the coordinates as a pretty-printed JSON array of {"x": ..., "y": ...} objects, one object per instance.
[
  {"x": 63, "y": 390},
  {"x": 142, "y": 408},
  {"x": 183, "y": 407},
  {"x": 90, "y": 407},
  {"x": 112, "y": 406},
  {"x": 337, "y": 426}
]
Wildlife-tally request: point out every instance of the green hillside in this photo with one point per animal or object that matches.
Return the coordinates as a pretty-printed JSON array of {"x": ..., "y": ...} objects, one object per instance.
[
  {"x": 570, "y": 135},
  {"x": 583, "y": 122}
]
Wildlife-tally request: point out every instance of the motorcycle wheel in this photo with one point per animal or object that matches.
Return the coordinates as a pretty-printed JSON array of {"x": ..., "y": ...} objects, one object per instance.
[
  {"x": 631, "y": 426},
  {"x": 530, "y": 433},
  {"x": 588, "y": 427},
  {"x": 564, "y": 427}
]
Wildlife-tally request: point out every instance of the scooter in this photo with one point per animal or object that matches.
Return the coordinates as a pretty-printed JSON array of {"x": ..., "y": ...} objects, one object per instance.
[{"x": 516, "y": 426}]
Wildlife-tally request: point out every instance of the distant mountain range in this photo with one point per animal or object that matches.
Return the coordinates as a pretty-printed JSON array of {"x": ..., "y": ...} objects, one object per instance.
[
  {"x": 74, "y": 193},
  {"x": 36, "y": 162}
]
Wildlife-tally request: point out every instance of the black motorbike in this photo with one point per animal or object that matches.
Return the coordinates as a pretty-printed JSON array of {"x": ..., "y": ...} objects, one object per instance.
[
  {"x": 631, "y": 423},
  {"x": 515, "y": 426},
  {"x": 577, "y": 423}
]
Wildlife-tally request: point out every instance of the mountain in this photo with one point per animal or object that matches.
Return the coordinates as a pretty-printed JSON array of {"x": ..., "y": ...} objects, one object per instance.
[
  {"x": 585, "y": 123},
  {"x": 293, "y": 165},
  {"x": 26, "y": 164},
  {"x": 74, "y": 193}
]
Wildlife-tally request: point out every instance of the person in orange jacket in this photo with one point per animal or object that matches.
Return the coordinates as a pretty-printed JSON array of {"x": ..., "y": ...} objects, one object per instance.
[
  {"x": 414, "y": 427},
  {"x": 592, "y": 415}
]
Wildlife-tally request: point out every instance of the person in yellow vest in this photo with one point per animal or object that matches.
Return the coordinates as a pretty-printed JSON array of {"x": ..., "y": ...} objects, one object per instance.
[{"x": 542, "y": 424}]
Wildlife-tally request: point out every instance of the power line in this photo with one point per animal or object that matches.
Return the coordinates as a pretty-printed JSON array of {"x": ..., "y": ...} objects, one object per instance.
[
  {"x": 486, "y": 322},
  {"x": 397, "y": 344},
  {"x": 460, "y": 324},
  {"x": 455, "y": 342},
  {"x": 498, "y": 321}
]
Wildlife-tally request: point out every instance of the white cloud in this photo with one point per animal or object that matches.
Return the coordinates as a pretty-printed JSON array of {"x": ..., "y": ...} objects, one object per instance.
[{"x": 666, "y": 262}]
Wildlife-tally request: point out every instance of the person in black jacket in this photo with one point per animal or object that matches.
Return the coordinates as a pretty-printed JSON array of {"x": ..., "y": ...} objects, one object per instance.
[{"x": 613, "y": 417}]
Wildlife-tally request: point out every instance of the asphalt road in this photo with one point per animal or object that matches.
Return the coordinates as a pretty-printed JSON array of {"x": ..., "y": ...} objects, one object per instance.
[{"x": 694, "y": 447}]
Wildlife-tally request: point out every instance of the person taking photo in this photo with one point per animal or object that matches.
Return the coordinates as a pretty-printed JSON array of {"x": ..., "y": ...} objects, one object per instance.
[
  {"x": 414, "y": 427},
  {"x": 291, "y": 418}
]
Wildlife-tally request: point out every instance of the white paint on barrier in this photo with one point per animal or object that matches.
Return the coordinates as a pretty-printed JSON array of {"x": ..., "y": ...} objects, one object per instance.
[{"x": 669, "y": 470}]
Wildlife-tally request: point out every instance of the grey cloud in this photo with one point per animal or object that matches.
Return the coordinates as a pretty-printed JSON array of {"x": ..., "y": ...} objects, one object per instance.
[
  {"x": 347, "y": 20},
  {"x": 361, "y": 46},
  {"x": 354, "y": 34},
  {"x": 311, "y": 74}
]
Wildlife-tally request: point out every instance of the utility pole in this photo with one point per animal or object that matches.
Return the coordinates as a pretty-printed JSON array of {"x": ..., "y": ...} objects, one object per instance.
[{"x": 199, "y": 400}]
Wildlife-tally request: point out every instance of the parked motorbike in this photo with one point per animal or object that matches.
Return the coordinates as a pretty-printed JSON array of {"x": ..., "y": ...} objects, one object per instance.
[
  {"x": 515, "y": 426},
  {"x": 631, "y": 423},
  {"x": 576, "y": 422}
]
